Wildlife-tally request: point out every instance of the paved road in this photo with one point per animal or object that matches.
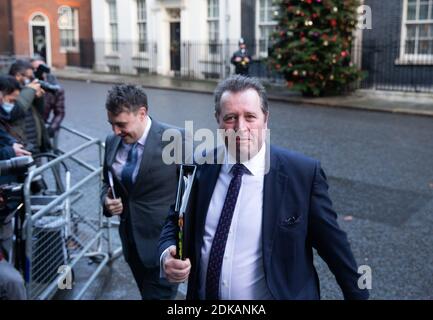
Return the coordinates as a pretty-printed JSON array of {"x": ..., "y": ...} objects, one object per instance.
[{"x": 380, "y": 169}]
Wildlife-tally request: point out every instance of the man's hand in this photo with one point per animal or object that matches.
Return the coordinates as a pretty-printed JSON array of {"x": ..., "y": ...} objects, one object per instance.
[
  {"x": 176, "y": 270},
  {"x": 35, "y": 85},
  {"x": 113, "y": 206},
  {"x": 20, "y": 151}
]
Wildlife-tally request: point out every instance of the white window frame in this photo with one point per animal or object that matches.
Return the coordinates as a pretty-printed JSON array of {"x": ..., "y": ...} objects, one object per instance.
[
  {"x": 267, "y": 23},
  {"x": 138, "y": 23},
  {"x": 46, "y": 24},
  {"x": 416, "y": 58},
  {"x": 213, "y": 20},
  {"x": 75, "y": 29},
  {"x": 113, "y": 44}
]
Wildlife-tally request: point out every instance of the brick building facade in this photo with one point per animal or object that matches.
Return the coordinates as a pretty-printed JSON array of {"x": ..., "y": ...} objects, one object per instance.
[{"x": 59, "y": 30}]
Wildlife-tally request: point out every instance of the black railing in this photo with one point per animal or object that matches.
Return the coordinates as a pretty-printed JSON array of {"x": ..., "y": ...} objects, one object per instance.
[
  {"x": 386, "y": 68},
  {"x": 212, "y": 61},
  {"x": 389, "y": 67},
  {"x": 135, "y": 58}
]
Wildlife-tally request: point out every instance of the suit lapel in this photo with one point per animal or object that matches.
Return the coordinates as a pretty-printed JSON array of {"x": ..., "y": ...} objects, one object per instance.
[
  {"x": 112, "y": 151},
  {"x": 207, "y": 179},
  {"x": 273, "y": 193},
  {"x": 111, "y": 155},
  {"x": 151, "y": 147},
  {"x": 206, "y": 185}
]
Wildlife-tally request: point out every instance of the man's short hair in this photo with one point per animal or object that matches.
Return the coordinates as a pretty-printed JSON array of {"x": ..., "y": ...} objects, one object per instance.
[
  {"x": 8, "y": 85},
  {"x": 126, "y": 97},
  {"x": 19, "y": 67},
  {"x": 238, "y": 83},
  {"x": 37, "y": 57}
]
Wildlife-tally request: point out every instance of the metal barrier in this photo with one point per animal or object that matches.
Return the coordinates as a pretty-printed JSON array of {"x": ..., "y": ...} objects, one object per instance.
[{"x": 61, "y": 229}]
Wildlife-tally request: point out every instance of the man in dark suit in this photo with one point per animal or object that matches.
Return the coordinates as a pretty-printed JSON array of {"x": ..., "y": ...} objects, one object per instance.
[
  {"x": 257, "y": 215},
  {"x": 144, "y": 186}
]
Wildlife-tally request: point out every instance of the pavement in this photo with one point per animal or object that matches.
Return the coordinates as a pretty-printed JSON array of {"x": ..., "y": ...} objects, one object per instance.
[{"x": 413, "y": 103}]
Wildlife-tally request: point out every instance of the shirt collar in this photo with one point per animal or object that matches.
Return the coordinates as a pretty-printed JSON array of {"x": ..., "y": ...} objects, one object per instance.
[
  {"x": 143, "y": 138},
  {"x": 255, "y": 165}
]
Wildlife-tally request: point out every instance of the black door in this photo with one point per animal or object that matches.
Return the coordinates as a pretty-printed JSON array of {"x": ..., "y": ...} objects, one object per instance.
[
  {"x": 175, "y": 46},
  {"x": 39, "y": 41},
  {"x": 248, "y": 23}
]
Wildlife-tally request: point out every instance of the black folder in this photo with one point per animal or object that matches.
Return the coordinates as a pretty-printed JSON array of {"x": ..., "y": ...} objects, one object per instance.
[{"x": 182, "y": 208}]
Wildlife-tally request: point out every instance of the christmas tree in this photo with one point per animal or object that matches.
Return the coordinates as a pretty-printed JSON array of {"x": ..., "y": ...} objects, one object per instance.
[{"x": 312, "y": 45}]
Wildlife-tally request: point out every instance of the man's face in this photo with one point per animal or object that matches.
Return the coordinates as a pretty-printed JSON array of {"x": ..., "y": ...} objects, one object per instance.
[
  {"x": 36, "y": 64},
  {"x": 12, "y": 97},
  {"x": 129, "y": 125},
  {"x": 241, "y": 113},
  {"x": 24, "y": 77},
  {"x": 28, "y": 74}
]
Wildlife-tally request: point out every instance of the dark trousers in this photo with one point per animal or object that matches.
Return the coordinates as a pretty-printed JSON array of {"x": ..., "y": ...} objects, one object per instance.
[{"x": 151, "y": 286}]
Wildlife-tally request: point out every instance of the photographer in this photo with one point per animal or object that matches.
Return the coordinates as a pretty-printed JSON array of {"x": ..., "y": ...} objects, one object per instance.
[
  {"x": 241, "y": 59},
  {"x": 26, "y": 118},
  {"x": 11, "y": 282},
  {"x": 11, "y": 143},
  {"x": 54, "y": 98}
]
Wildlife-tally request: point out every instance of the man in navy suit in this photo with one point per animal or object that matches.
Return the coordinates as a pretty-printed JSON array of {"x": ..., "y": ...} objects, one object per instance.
[{"x": 257, "y": 215}]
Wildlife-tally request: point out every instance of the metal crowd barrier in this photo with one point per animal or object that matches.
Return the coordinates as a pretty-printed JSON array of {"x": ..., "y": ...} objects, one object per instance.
[{"x": 63, "y": 229}]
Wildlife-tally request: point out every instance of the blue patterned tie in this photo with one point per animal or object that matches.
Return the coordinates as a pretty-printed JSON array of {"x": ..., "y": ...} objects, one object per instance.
[
  {"x": 220, "y": 239},
  {"x": 129, "y": 167}
]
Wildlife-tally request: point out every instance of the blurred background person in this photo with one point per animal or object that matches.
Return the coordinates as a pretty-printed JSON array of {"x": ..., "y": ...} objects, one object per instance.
[
  {"x": 26, "y": 117},
  {"x": 54, "y": 108},
  {"x": 241, "y": 59}
]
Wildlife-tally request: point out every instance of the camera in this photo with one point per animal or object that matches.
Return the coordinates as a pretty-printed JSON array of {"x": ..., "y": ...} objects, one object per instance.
[
  {"x": 42, "y": 68},
  {"x": 39, "y": 74},
  {"x": 17, "y": 166},
  {"x": 53, "y": 88}
]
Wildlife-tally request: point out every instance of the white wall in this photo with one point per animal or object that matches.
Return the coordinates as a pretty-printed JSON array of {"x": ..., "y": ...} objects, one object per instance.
[{"x": 194, "y": 28}]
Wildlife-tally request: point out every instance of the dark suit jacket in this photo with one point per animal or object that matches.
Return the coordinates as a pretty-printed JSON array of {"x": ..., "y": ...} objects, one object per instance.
[
  {"x": 297, "y": 217},
  {"x": 147, "y": 204}
]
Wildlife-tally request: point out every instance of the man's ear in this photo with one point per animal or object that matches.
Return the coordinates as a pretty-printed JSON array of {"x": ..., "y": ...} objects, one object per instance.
[
  {"x": 266, "y": 117},
  {"x": 142, "y": 112},
  {"x": 216, "y": 114}
]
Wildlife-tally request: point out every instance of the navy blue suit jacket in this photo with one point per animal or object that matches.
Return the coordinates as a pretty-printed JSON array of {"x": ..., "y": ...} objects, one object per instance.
[{"x": 297, "y": 217}]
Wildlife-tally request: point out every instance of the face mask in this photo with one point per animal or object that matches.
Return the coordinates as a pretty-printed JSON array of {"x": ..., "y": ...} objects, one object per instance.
[
  {"x": 8, "y": 107},
  {"x": 26, "y": 81}
]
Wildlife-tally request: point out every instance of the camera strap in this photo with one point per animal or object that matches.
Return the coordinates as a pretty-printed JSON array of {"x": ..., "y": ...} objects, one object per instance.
[{"x": 11, "y": 131}]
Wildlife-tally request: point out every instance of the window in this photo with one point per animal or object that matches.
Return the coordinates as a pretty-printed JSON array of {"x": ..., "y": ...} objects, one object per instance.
[
  {"x": 417, "y": 35},
  {"x": 142, "y": 25},
  {"x": 213, "y": 24},
  {"x": 68, "y": 26},
  {"x": 266, "y": 24},
  {"x": 112, "y": 21}
]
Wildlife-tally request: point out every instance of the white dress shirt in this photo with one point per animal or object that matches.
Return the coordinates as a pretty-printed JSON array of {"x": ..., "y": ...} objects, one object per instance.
[
  {"x": 122, "y": 153},
  {"x": 242, "y": 274}
]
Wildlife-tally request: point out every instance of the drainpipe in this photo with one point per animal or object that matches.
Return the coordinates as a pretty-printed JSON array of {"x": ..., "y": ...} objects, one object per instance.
[
  {"x": 227, "y": 40},
  {"x": 10, "y": 31}
]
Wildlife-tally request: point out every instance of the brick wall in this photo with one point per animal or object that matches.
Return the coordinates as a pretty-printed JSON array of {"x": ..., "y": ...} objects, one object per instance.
[
  {"x": 4, "y": 27},
  {"x": 24, "y": 10}
]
